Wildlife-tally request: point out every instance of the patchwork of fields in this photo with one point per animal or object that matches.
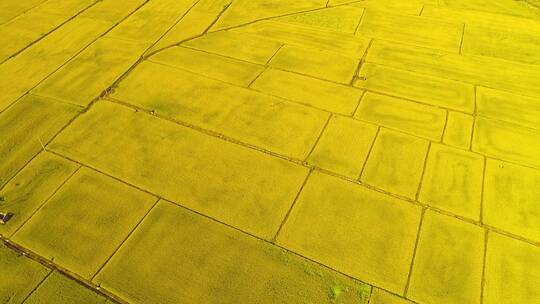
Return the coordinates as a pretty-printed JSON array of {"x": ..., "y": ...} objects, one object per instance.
[{"x": 270, "y": 151}]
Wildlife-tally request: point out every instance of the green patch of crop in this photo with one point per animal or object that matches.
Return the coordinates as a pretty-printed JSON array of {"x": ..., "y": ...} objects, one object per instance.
[
  {"x": 364, "y": 291},
  {"x": 335, "y": 292}
]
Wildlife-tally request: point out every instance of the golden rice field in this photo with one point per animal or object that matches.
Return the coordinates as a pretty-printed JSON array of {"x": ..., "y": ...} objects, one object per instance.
[{"x": 270, "y": 151}]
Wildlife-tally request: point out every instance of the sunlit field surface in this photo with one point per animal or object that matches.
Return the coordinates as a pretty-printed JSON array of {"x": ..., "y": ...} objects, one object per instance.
[{"x": 270, "y": 151}]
